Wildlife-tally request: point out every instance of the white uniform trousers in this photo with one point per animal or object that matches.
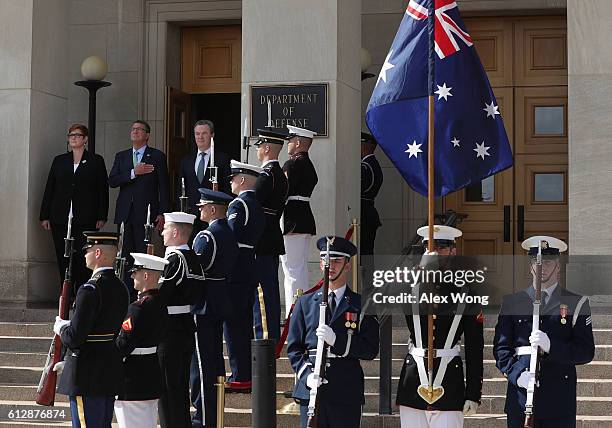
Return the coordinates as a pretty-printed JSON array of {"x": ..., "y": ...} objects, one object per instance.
[
  {"x": 415, "y": 418},
  {"x": 136, "y": 414},
  {"x": 295, "y": 266}
]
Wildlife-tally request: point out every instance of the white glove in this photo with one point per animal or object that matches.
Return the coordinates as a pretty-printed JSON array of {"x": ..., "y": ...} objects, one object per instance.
[
  {"x": 59, "y": 325},
  {"x": 524, "y": 379},
  {"x": 311, "y": 382},
  {"x": 326, "y": 333},
  {"x": 59, "y": 366},
  {"x": 541, "y": 339},
  {"x": 470, "y": 407}
]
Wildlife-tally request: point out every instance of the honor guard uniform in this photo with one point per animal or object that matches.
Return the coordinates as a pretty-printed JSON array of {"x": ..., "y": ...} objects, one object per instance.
[
  {"x": 217, "y": 251},
  {"x": 452, "y": 397},
  {"x": 92, "y": 369},
  {"x": 351, "y": 335},
  {"x": 136, "y": 404},
  {"x": 565, "y": 339},
  {"x": 298, "y": 220},
  {"x": 246, "y": 219},
  {"x": 371, "y": 181},
  {"x": 271, "y": 190},
  {"x": 182, "y": 285}
]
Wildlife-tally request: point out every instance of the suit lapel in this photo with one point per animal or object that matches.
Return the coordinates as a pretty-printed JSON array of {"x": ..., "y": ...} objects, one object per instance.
[{"x": 345, "y": 304}]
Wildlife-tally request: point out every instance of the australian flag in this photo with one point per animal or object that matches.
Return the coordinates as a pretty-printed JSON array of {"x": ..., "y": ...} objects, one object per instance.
[{"x": 470, "y": 140}]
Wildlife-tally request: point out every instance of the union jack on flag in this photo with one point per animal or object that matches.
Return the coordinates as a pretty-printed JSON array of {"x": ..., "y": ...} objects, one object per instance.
[{"x": 470, "y": 140}]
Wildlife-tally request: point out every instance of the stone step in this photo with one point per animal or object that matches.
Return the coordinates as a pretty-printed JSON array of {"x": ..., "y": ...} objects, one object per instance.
[
  {"x": 25, "y": 344},
  {"x": 26, "y": 329}
]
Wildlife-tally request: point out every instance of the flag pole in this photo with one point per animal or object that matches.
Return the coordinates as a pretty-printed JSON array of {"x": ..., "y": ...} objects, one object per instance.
[{"x": 430, "y": 180}]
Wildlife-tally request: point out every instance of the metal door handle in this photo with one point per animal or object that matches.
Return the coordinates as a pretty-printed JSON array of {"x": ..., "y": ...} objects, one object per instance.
[
  {"x": 520, "y": 223},
  {"x": 506, "y": 223}
]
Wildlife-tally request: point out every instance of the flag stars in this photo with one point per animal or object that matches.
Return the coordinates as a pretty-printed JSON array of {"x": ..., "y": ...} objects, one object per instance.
[
  {"x": 413, "y": 149},
  {"x": 456, "y": 142},
  {"x": 482, "y": 150},
  {"x": 491, "y": 110},
  {"x": 386, "y": 67},
  {"x": 443, "y": 92}
]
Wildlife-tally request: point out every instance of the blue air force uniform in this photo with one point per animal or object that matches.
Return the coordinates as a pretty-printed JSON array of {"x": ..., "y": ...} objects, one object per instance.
[
  {"x": 217, "y": 252},
  {"x": 356, "y": 339},
  {"x": 371, "y": 181},
  {"x": 181, "y": 286},
  {"x": 566, "y": 320},
  {"x": 93, "y": 371},
  {"x": 271, "y": 190},
  {"x": 246, "y": 219}
]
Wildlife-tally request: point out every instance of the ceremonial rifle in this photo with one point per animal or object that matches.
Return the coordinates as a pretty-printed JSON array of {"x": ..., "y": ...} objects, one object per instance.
[
  {"x": 183, "y": 197},
  {"x": 45, "y": 393},
  {"x": 321, "y": 356},
  {"x": 120, "y": 260},
  {"x": 245, "y": 140},
  {"x": 534, "y": 362},
  {"x": 213, "y": 167},
  {"x": 149, "y": 232}
]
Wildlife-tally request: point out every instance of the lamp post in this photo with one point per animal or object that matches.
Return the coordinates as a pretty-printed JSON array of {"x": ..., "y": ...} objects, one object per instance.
[{"x": 93, "y": 70}]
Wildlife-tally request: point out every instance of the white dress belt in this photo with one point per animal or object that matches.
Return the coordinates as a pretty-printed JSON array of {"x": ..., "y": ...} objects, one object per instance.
[
  {"x": 144, "y": 351},
  {"x": 298, "y": 198},
  {"x": 175, "y": 310},
  {"x": 241, "y": 245},
  {"x": 438, "y": 353},
  {"x": 523, "y": 350}
]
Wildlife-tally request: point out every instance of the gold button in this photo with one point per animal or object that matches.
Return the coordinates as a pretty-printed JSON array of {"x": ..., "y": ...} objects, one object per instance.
[
  {"x": 433, "y": 327},
  {"x": 435, "y": 317}
]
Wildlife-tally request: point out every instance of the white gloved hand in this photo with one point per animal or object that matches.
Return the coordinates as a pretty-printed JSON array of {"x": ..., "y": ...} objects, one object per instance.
[
  {"x": 524, "y": 379},
  {"x": 311, "y": 382},
  {"x": 541, "y": 339},
  {"x": 59, "y": 366},
  {"x": 470, "y": 407},
  {"x": 59, "y": 325},
  {"x": 326, "y": 333}
]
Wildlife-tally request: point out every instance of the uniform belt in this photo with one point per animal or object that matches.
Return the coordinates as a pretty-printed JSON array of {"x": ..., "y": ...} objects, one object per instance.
[
  {"x": 330, "y": 355},
  {"x": 175, "y": 310},
  {"x": 298, "y": 198},
  {"x": 241, "y": 245},
  {"x": 438, "y": 353},
  {"x": 523, "y": 350},
  {"x": 104, "y": 337},
  {"x": 144, "y": 351}
]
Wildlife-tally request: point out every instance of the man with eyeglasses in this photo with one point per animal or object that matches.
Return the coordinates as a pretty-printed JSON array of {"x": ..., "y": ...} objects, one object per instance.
[
  {"x": 564, "y": 339},
  {"x": 141, "y": 174}
]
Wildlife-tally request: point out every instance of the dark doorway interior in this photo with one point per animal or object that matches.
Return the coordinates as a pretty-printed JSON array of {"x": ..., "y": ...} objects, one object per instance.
[{"x": 224, "y": 111}]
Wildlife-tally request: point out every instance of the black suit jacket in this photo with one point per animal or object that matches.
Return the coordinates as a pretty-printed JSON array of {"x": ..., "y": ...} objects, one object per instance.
[
  {"x": 192, "y": 184},
  {"x": 143, "y": 190},
  {"x": 87, "y": 188}
]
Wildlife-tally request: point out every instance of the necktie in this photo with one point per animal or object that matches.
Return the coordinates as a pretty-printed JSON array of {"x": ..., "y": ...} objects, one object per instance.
[
  {"x": 332, "y": 302},
  {"x": 544, "y": 298},
  {"x": 200, "y": 172},
  {"x": 134, "y": 157}
]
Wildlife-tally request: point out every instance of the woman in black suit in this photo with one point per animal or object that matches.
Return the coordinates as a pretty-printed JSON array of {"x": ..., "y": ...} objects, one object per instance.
[{"x": 80, "y": 178}]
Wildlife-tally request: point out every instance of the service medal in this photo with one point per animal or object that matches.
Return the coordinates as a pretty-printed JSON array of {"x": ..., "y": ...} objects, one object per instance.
[{"x": 563, "y": 313}]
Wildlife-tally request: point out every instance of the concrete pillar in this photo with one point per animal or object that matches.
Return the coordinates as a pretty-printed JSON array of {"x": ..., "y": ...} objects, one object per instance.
[
  {"x": 32, "y": 131},
  {"x": 292, "y": 41},
  {"x": 590, "y": 148}
]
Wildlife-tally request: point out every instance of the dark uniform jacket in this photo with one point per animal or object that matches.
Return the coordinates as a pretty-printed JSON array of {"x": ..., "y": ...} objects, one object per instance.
[
  {"x": 571, "y": 344},
  {"x": 93, "y": 362},
  {"x": 86, "y": 188},
  {"x": 142, "y": 328},
  {"x": 192, "y": 184},
  {"x": 135, "y": 195},
  {"x": 217, "y": 252},
  {"x": 371, "y": 181},
  {"x": 271, "y": 190},
  {"x": 246, "y": 219},
  {"x": 456, "y": 390},
  {"x": 182, "y": 284},
  {"x": 344, "y": 374},
  {"x": 302, "y": 177}
]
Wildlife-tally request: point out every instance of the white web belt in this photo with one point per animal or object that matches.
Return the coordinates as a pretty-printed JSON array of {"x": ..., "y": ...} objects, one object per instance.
[{"x": 144, "y": 351}]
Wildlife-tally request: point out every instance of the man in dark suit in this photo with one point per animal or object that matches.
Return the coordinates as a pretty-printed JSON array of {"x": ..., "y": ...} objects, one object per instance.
[
  {"x": 564, "y": 339},
  {"x": 141, "y": 173},
  {"x": 195, "y": 170},
  {"x": 351, "y": 337},
  {"x": 271, "y": 189}
]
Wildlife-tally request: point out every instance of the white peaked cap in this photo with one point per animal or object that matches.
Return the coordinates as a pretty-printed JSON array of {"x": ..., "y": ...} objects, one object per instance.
[
  {"x": 148, "y": 261},
  {"x": 179, "y": 217},
  {"x": 244, "y": 168},
  {"x": 294, "y": 131},
  {"x": 441, "y": 233},
  {"x": 551, "y": 242}
]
